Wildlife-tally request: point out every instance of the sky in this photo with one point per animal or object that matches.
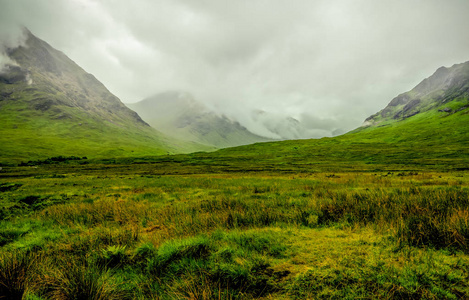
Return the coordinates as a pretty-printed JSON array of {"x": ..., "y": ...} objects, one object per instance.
[{"x": 327, "y": 63}]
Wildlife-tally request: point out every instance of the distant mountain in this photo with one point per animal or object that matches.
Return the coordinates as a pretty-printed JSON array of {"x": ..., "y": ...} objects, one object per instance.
[
  {"x": 179, "y": 115},
  {"x": 50, "y": 106},
  {"x": 280, "y": 126},
  {"x": 445, "y": 92}
]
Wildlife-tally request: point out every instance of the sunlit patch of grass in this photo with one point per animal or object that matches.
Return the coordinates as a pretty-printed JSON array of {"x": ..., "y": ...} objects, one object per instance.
[{"x": 353, "y": 264}]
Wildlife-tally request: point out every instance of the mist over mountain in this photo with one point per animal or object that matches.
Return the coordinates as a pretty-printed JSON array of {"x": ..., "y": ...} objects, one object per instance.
[
  {"x": 283, "y": 127},
  {"x": 180, "y": 115},
  {"x": 51, "y": 106},
  {"x": 424, "y": 127}
]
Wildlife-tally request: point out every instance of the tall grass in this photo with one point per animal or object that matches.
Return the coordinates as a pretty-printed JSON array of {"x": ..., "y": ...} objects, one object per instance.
[
  {"x": 16, "y": 274},
  {"x": 419, "y": 216},
  {"x": 80, "y": 280}
]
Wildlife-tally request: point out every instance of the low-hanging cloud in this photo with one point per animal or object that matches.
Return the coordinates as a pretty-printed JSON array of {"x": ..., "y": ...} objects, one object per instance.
[
  {"x": 11, "y": 36},
  {"x": 327, "y": 64}
]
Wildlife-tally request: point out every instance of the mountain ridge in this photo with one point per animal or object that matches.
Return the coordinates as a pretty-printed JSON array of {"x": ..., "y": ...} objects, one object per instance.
[{"x": 63, "y": 75}]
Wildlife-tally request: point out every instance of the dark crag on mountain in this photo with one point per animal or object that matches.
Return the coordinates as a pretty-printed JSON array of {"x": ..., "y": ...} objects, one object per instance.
[{"x": 50, "y": 106}]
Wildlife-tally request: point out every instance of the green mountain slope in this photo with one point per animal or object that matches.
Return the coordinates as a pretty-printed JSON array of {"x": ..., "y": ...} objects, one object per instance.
[
  {"x": 180, "y": 115},
  {"x": 50, "y": 106}
]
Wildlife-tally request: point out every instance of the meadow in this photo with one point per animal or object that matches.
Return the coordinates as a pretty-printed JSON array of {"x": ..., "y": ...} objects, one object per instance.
[{"x": 205, "y": 227}]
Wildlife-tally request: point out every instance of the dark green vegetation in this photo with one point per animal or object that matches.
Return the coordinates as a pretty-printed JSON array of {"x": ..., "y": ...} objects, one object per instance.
[
  {"x": 180, "y": 115},
  {"x": 49, "y": 106}
]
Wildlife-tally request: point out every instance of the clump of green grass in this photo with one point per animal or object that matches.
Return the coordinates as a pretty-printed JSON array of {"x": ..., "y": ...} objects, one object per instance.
[
  {"x": 450, "y": 230},
  {"x": 113, "y": 256},
  {"x": 4, "y": 187},
  {"x": 80, "y": 280},
  {"x": 170, "y": 254},
  {"x": 16, "y": 272},
  {"x": 10, "y": 234},
  {"x": 222, "y": 263}
]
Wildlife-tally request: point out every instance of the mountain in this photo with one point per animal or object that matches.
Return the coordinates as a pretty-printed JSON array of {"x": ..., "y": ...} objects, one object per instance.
[
  {"x": 283, "y": 127},
  {"x": 178, "y": 114},
  {"x": 50, "y": 106},
  {"x": 446, "y": 91}
]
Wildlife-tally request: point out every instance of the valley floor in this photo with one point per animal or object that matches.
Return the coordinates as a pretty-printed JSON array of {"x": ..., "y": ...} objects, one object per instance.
[{"x": 165, "y": 231}]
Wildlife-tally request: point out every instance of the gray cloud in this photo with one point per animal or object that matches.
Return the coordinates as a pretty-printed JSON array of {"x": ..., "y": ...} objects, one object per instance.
[
  {"x": 11, "y": 36},
  {"x": 329, "y": 64}
]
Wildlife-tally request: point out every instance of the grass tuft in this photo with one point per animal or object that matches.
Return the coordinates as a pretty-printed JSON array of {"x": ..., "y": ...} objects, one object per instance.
[
  {"x": 16, "y": 271},
  {"x": 79, "y": 280}
]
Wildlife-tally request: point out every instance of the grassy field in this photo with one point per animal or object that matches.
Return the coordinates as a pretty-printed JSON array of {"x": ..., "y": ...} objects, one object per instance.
[
  {"x": 194, "y": 227},
  {"x": 379, "y": 213}
]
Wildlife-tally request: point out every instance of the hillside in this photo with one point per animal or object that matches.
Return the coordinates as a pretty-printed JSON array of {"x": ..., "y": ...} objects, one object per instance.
[
  {"x": 50, "y": 106},
  {"x": 178, "y": 114}
]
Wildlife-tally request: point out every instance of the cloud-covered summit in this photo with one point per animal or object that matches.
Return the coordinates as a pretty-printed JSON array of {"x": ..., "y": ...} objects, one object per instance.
[{"x": 315, "y": 61}]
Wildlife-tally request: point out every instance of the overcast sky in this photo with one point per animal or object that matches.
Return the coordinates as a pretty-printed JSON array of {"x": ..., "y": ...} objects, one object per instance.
[{"x": 328, "y": 63}]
